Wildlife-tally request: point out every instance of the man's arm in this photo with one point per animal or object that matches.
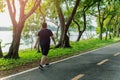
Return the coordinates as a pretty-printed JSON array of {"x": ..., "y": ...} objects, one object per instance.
[
  {"x": 53, "y": 40},
  {"x": 37, "y": 41}
]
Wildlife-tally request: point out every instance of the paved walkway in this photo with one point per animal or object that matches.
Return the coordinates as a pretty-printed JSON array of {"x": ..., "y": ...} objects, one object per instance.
[{"x": 100, "y": 64}]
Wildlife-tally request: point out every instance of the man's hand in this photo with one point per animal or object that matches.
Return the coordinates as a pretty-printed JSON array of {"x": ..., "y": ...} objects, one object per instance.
[
  {"x": 35, "y": 47},
  {"x": 37, "y": 41}
]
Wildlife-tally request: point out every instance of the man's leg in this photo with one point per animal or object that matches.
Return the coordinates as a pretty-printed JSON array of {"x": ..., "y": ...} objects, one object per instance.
[
  {"x": 45, "y": 49},
  {"x": 43, "y": 60}
]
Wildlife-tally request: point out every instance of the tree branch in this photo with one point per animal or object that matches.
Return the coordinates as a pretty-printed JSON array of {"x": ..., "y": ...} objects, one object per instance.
[
  {"x": 37, "y": 3},
  {"x": 14, "y": 9},
  {"x": 12, "y": 16},
  {"x": 22, "y": 8},
  {"x": 73, "y": 13},
  {"x": 44, "y": 20},
  {"x": 60, "y": 14}
]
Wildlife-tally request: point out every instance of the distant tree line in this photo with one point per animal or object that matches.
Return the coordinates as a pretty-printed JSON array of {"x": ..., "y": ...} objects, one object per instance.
[{"x": 4, "y": 29}]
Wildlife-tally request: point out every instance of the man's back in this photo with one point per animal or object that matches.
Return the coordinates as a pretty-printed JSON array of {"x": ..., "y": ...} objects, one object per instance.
[{"x": 44, "y": 35}]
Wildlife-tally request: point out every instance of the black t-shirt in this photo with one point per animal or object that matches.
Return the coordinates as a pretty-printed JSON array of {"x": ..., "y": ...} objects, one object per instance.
[{"x": 44, "y": 35}]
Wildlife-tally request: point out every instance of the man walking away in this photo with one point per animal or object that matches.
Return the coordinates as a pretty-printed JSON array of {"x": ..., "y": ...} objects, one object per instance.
[{"x": 43, "y": 39}]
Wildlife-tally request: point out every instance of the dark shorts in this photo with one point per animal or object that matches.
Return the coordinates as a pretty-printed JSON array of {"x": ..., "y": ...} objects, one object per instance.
[{"x": 45, "y": 49}]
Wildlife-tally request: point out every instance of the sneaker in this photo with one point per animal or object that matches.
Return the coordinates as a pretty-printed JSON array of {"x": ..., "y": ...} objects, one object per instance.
[
  {"x": 47, "y": 64},
  {"x": 40, "y": 67}
]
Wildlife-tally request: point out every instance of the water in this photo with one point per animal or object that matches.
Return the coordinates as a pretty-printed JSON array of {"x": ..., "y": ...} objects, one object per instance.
[
  {"x": 6, "y": 37},
  {"x": 85, "y": 35}
]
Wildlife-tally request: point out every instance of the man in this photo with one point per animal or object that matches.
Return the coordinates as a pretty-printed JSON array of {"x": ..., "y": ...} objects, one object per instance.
[{"x": 43, "y": 38}]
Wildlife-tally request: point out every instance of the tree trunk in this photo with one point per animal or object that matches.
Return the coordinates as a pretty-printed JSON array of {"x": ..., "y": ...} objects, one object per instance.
[
  {"x": 84, "y": 27},
  {"x": 57, "y": 32},
  {"x": 118, "y": 32},
  {"x": 110, "y": 37},
  {"x": 100, "y": 35},
  {"x": 64, "y": 39},
  {"x": 79, "y": 31},
  {"x": 114, "y": 31},
  {"x": 106, "y": 36},
  {"x": 118, "y": 29},
  {"x": 1, "y": 54},
  {"x": 14, "y": 48},
  {"x": 79, "y": 35}
]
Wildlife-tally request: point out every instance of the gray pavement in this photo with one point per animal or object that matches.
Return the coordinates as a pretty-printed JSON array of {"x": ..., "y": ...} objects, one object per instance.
[{"x": 100, "y": 64}]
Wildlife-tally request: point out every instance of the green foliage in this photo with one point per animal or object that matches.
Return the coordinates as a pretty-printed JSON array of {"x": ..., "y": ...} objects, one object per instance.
[
  {"x": 48, "y": 9},
  {"x": 29, "y": 5},
  {"x": 27, "y": 56},
  {"x": 2, "y": 5}
]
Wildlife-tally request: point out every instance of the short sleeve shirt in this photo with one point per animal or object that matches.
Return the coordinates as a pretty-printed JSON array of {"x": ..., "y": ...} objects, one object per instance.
[{"x": 44, "y": 35}]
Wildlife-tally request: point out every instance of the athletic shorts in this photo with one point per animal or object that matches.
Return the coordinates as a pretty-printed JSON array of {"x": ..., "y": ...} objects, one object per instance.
[{"x": 45, "y": 49}]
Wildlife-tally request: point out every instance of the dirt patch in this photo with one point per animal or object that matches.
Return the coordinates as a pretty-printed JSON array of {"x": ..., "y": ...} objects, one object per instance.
[{"x": 18, "y": 69}]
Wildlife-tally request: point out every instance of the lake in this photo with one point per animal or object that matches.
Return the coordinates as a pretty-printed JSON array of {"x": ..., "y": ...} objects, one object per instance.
[{"x": 6, "y": 37}]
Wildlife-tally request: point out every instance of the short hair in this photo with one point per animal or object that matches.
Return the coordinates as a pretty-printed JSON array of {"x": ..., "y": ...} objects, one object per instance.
[{"x": 44, "y": 25}]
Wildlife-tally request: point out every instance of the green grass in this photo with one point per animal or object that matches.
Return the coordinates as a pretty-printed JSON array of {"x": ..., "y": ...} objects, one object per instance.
[{"x": 28, "y": 55}]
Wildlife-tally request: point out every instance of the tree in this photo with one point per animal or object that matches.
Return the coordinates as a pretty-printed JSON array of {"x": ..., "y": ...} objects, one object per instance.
[
  {"x": 108, "y": 22},
  {"x": 85, "y": 6},
  {"x": 115, "y": 20},
  {"x": 64, "y": 39},
  {"x": 18, "y": 25},
  {"x": 103, "y": 14},
  {"x": 108, "y": 18}
]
